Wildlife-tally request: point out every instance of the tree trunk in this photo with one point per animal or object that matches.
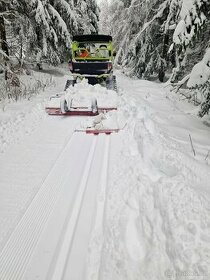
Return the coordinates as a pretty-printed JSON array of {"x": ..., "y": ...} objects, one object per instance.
[
  {"x": 3, "y": 41},
  {"x": 161, "y": 74},
  {"x": 3, "y": 38}
]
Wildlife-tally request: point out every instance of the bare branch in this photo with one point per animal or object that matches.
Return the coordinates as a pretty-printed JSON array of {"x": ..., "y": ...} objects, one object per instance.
[
  {"x": 207, "y": 155},
  {"x": 192, "y": 145}
]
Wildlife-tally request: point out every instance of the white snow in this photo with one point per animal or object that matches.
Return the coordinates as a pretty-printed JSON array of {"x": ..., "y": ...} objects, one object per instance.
[
  {"x": 130, "y": 205},
  {"x": 83, "y": 92},
  {"x": 178, "y": 36},
  {"x": 191, "y": 18},
  {"x": 61, "y": 23},
  {"x": 40, "y": 15},
  {"x": 200, "y": 73}
]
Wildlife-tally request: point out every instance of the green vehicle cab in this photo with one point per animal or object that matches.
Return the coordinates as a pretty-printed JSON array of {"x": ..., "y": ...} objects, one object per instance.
[{"x": 92, "y": 58}]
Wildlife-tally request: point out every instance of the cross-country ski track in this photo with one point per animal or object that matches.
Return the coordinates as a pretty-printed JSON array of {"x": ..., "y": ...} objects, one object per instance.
[{"x": 58, "y": 222}]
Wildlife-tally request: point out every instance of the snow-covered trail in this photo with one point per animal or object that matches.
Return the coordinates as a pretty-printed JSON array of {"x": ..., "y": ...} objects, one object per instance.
[
  {"x": 51, "y": 239},
  {"x": 130, "y": 205}
]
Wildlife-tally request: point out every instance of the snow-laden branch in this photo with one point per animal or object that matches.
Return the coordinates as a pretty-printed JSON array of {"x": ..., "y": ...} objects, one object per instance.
[
  {"x": 147, "y": 24},
  {"x": 60, "y": 21},
  {"x": 69, "y": 8},
  {"x": 4, "y": 54},
  {"x": 200, "y": 73},
  {"x": 178, "y": 85},
  {"x": 41, "y": 15},
  {"x": 191, "y": 20},
  {"x": 7, "y": 13}
]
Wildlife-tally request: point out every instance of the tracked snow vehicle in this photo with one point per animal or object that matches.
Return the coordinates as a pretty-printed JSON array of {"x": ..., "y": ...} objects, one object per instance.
[
  {"x": 91, "y": 63},
  {"x": 92, "y": 58}
]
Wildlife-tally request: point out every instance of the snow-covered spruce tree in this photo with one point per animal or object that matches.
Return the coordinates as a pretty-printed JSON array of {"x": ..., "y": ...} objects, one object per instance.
[
  {"x": 51, "y": 30},
  {"x": 199, "y": 81},
  {"x": 193, "y": 16},
  {"x": 93, "y": 14},
  {"x": 141, "y": 44},
  {"x": 155, "y": 36},
  {"x": 67, "y": 13},
  {"x": 88, "y": 16},
  {"x": 36, "y": 30},
  {"x": 104, "y": 18},
  {"x": 40, "y": 30},
  {"x": 119, "y": 28},
  {"x": 4, "y": 46},
  {"x": 4, "y": 12},
  {"x": 7, "y": 15},
  {"x": 152, "y": 41},
  {"x": 45, "y": 27}
]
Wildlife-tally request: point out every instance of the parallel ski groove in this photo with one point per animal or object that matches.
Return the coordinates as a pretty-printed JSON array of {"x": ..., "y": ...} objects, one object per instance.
[
  {"x": 101, "y": 204},
  {"x": 72, "y": 223},
  {"x": 16, "y": 253}
]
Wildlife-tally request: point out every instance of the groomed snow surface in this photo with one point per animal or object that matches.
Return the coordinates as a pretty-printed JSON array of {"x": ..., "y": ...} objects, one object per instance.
[{"x": 133, "y": 205}]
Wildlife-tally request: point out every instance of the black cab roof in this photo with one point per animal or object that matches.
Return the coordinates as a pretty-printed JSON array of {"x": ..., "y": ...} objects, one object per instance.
[{"x": 92, "y": 38}]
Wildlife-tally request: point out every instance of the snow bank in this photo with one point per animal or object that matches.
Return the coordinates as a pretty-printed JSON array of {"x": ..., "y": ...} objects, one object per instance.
[
  {"x": 200, "y": 73},
  {"x": 15, "y": 123},
  {"x": 21, "y": 118}
]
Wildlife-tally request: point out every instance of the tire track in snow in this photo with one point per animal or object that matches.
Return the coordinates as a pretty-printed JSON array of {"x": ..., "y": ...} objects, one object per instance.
[{"x": 17, "y": 252}]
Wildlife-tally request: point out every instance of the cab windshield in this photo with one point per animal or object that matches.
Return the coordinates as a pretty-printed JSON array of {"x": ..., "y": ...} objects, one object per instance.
[{"x": 92, "y": 50}]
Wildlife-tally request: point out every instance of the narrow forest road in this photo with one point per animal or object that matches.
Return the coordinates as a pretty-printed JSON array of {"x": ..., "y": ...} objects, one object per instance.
[{"x": 125, "y": 206}]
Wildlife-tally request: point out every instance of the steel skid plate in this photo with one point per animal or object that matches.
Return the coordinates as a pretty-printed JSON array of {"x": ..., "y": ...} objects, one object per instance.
[
  {"x": 100, "y": 131},
  {"x": 78, "y": 111},
  {"x": 96, "y": 131}
]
